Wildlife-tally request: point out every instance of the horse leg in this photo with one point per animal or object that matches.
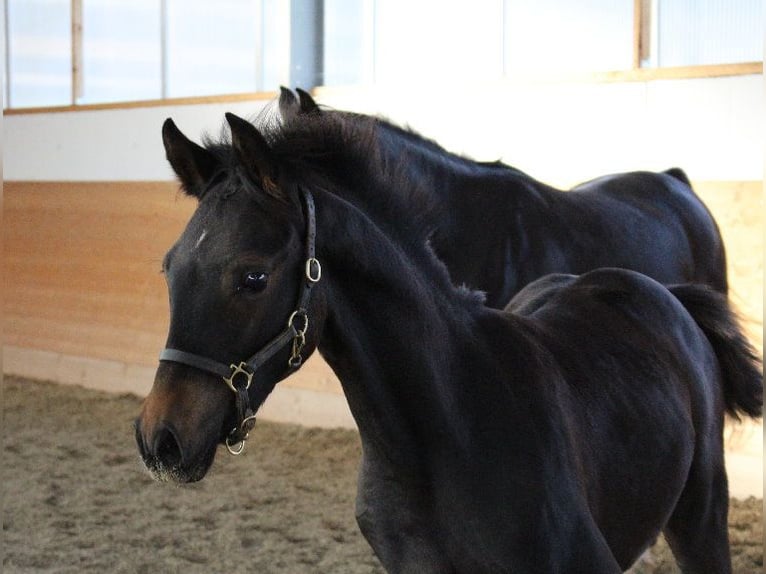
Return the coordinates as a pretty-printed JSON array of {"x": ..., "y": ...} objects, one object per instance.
[
  {"x": 697, "y": 531},
  {"x": 395, "y": 525}
]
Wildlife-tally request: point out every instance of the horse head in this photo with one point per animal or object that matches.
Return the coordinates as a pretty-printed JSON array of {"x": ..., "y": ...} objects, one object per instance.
[{"x": 239, "y": 305}]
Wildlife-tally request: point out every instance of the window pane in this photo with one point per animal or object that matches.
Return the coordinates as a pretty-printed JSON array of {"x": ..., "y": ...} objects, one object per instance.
[
  {"x": 121, "y": 44},
  {"x": 5, "y": 61},
  {"x": 564, "y": 36},
  {"x": 274, "y": 54},
  {"x": 40, "y": 53},
  {"x": 696, "y": 32},
  {"x": 431, "y": 41},
  {"x": 212, "y": 46},
  {"x": 348, "y": 42}
]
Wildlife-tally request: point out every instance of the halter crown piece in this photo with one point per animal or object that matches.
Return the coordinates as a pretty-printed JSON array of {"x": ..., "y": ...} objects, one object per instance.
[{"x": 239, "y": 377}]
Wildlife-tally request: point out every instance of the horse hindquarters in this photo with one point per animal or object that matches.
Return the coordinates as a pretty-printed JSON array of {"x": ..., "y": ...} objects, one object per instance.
[
  {"x": 697, "y": 529},
  {"x": 707, "y": 249}
]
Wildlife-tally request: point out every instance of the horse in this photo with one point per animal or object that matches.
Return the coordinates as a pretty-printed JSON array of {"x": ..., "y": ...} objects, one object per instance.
[
  {"x": 498, "y": 229},
  {"x": 562, "y": 434}
]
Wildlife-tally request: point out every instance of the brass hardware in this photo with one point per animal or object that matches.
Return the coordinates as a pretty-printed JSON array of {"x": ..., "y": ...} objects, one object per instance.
[
  {"x": 312, "y": 264},
  {"x": 236, "y": 370}
]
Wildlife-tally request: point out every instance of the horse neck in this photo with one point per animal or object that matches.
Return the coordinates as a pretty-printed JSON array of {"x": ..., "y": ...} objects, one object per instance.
[
  {"x": 390, "y": 331},
  {"x": 447, "y": 173}
]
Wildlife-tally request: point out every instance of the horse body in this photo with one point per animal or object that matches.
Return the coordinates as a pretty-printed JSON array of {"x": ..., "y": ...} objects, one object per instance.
[
  {"x": 514, "y": 232},
  {"x": 499, "y": 229},
  {"x": 541, "y": 440},
  {"x": 561, "y": 435}
]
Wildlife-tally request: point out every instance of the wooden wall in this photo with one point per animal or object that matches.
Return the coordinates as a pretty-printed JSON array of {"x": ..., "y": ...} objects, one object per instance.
[
  {"x": 84, "y": 298},
  {"x": 82, "y": 261},
  {"x": 739, "y": 210},
  {"x": 82, "y": 265},
  {"x": 85, "y": 302}
]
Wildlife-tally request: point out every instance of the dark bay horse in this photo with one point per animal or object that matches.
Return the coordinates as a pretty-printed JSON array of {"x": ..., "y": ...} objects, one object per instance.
[
  {"x": 498, "y": 229},
  {"x": 562, "y": 435}
]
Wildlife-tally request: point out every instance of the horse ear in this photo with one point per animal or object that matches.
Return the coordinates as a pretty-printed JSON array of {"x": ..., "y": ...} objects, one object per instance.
[
  {"x": 288, "y": 104},
  {"x": 254, "y": 152},
  {"x": 193, "y": 164},
  {"x": 308, "y": 105}
]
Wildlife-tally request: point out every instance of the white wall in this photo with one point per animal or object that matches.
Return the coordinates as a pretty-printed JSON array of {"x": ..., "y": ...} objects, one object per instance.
[
  {"x": 565, "y": 133},
  {"x": 107, "y": 145},
  {"x": 560, "y": 133}
]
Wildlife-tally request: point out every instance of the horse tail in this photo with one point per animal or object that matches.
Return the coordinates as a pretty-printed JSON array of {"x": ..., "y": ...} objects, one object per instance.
[
  {"x": 679, "y": 174},
  {"x": 741, "y": 367}
]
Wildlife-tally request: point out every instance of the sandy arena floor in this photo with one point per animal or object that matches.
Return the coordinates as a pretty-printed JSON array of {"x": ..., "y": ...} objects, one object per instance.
[{"x": 76, "y": 498}]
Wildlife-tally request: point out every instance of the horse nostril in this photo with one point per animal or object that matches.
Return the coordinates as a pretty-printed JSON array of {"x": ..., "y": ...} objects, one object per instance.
[
  {"x": 166, "y": 447},
  {"x": 143, "y": 451}
]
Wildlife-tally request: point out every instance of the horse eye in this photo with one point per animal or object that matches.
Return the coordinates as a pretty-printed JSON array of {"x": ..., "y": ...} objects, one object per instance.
[{"x": 255, "y": 281}]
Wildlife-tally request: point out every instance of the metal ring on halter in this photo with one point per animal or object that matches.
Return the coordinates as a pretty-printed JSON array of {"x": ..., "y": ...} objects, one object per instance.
[
  {"x": 299, "y": 313},
  {"x": 312, "y": 263},
  {"x": 241, "y": 442},
  {"x": 245, "y": 421},
  {"x": 232, "y": 449}
]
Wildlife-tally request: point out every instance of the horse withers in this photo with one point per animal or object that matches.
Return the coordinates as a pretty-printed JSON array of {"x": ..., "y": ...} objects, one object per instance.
[{"x": 562, "y": 435}]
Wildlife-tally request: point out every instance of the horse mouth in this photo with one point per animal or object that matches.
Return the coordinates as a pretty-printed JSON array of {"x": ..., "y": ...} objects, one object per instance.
[{"x": 161, "y": 472}]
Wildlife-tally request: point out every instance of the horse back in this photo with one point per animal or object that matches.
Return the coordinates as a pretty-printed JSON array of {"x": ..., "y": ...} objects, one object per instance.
[{"x": 614, "y": 312}]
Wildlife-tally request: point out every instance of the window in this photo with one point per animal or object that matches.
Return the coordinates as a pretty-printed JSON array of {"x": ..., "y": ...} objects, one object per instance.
[
  {"x": 437, "y": 42},
  {"x": 123, "y": 50},
  {"x": 442, "y": 43},
  {"x": 560, "y": 36},
  {"x": 121, "y": 42},
  {"x": 39, "y": 57},
  {"x": 212, "y": 47},
  {"x": 128, "y": 50},
  {"x": 348, "y": 42},
  {"x": 705, "y": 32}
]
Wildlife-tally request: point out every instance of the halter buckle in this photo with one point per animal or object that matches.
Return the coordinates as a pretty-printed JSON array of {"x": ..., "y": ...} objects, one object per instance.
[{"x": 240, "y": 369}]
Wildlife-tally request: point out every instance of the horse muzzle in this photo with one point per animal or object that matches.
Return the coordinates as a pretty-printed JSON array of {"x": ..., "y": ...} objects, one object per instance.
[
  {"x": 166, "y": 460},
  {"x": 183, "y": 420}
]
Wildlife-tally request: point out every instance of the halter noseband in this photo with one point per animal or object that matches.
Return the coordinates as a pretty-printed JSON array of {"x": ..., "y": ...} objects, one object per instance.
[{"x": 238, "y": 377}]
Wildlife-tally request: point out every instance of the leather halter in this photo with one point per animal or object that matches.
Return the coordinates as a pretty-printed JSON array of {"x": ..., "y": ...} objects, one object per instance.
[{"x": 239, "y": 377}]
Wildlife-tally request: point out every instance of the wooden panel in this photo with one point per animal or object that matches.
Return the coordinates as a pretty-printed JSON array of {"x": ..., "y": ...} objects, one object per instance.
[
  {"x": 738, "y": 209},
  {"x": 81, "y": 267},
  {"x": 165, "y": 102},
  {"x": 82, "y": 261},
  {"x": 82, "y": 264}
]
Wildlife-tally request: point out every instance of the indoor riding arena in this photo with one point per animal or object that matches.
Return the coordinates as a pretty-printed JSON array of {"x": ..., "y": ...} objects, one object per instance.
[{"x": 98, "y": 187}]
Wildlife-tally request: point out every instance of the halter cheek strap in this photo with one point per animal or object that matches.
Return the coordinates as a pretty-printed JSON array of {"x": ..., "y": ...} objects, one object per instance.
[{"x": 239, "y": 377}]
